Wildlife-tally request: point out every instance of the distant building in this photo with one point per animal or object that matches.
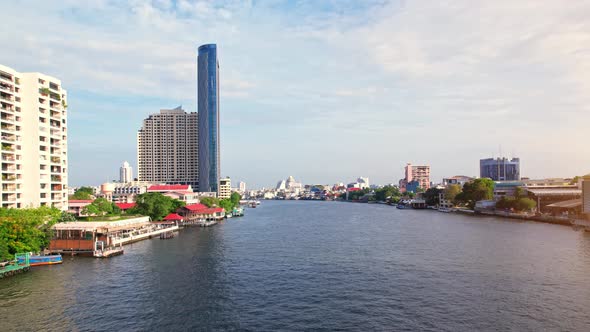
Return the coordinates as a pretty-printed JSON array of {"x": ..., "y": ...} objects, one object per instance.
[
  {"x": 208, "y": 107},
  {"x": 363, "y": 182},
  {"x": 500, "y": 169},
  {"x": 242, "y": 187},
  {"x": 125, "y": 173},
  {"x": 457, "y": 179},
  {"x": 34, "y": 140},
  {"x": 167, "y": 148},
  {"x": 586, "y": 195},
  {"x": 224, "y": 188},
  {"x": 418, "y": 173}
]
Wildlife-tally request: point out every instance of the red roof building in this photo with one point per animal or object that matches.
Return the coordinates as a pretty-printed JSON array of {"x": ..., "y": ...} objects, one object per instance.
[
  {"x": 173, "y": 217},
  {"x": 169, "y": 187},
  {"x": 125, "y": 206}
]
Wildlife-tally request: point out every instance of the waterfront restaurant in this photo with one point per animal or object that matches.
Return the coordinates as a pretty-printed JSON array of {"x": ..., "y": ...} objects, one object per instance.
[
  {"x": 195, "y": 213},
  {"x": 86, "y": 237}
]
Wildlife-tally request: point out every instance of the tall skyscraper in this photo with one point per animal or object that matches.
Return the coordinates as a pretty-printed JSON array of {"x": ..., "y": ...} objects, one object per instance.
[
  {"x": 125, "y": 173},
  {"x": 500, "y": 169},
  {"x": 34, "y": 140},
  {"x": 167, "y": 148},
  {"x": 208, "y": 107}
]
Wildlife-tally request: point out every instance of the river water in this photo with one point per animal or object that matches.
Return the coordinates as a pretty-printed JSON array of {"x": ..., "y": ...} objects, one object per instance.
[{"x": 295, "y": 266}]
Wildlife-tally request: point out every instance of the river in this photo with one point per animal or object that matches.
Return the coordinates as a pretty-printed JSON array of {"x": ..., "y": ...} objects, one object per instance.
[{"x": 295, "y": 266}]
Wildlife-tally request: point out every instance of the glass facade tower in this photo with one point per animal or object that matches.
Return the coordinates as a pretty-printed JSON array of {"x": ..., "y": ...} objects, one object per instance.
[{"x": 208, "y": 107}]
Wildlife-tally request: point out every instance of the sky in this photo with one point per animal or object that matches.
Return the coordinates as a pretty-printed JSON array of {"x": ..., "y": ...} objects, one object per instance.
[{"x": 324, "y": 90}]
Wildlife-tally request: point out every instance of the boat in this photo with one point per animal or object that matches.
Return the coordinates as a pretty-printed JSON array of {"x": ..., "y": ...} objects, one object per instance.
[
  {"x": 444, "y": 209},
  {"x": 252, "y": 204},
  {"x": 401, "y": 206},
  {"x": 44, "y": 260}
]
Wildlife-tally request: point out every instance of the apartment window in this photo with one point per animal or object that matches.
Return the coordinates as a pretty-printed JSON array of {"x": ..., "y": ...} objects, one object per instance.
[{"x": 43, "y": 195}]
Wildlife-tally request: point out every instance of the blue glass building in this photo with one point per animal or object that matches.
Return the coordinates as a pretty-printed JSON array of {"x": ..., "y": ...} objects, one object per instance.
[{"x": 208, "y": 108}]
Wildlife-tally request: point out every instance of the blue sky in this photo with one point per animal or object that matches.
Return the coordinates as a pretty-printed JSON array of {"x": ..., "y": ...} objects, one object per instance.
[{"x": 325, "y": 91}]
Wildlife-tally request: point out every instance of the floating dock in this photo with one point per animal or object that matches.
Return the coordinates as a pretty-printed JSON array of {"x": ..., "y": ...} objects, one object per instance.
[{"x": 20, "y": 264}]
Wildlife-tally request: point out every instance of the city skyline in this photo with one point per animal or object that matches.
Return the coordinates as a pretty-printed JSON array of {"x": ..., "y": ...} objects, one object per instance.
[{"x": 307, "y": 88}]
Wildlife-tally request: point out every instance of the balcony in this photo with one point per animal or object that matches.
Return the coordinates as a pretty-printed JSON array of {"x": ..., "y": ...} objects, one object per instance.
[
  {"x": 8, "y": 168},
  {"x": 6, "y": 77},
  {"x": 8, "y": 187},
  {"x": 55, "y": 115},
  {"x": 55, "y": 160},
  {"x": 8, "y": 198},
  {"x": 8, "y": 158},
  {"x": 56, "y": 187},
  {"x": 55, "y": 178},
  {"x": 6, "y": 87},
  {"x": 6, "y": 107},
  {"x": 7, "y": 98},
  {"x": 8, "y": 177},
  {"x": 7, "y": 147}
]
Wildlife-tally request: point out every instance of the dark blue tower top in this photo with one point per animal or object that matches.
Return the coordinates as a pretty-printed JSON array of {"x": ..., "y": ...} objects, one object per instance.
[{"x": 208, "y": 108}]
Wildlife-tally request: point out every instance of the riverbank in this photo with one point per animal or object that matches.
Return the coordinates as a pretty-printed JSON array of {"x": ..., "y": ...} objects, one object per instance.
[{"x": 502, "y": 214}]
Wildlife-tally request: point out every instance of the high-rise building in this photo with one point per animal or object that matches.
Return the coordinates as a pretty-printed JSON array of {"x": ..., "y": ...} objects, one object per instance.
[
  {"x": 242, "y": 186},
  {"x": 167, "y": 148},
  {"x": 416, "y": 176},
  {"x": 208, "y": 107},
  {"x": 34, "y": 140},
  {"x": 500, "y": 169},
  {"x": 224, "y": 188},
  {"x": 125, "y": 173}
]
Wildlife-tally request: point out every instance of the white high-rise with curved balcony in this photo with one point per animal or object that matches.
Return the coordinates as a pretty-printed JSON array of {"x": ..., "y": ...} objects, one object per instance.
[
  {"x": 33, "y": 140},
  {"x": 125, "y": 173}
]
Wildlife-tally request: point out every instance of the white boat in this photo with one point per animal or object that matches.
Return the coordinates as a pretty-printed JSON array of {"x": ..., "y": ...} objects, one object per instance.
[{"x": 444, "y": 209}]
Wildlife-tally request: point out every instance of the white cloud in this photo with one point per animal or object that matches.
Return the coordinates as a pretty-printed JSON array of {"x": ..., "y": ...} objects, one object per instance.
[{"x": 517, "y": 68}]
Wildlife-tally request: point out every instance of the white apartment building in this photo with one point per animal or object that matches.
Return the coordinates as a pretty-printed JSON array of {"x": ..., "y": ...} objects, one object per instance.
[
  {"x": 125, "y": 173},
  {"x": 34, "y": 140},
  {"x": 167, "y": 148},
  {"x": 242, "y": 187},
  {"x": 224, "y": 188}
]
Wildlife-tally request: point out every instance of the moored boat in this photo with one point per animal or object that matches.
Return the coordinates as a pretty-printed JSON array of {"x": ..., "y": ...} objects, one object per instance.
[{"x": 45, "y": 260}]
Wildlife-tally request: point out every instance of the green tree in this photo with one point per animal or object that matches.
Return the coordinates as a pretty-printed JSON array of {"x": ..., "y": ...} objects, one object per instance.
[
  {"x": 451, "y": 192},
  {"x": 83, "y": 193},
  {"x": 235, "y": 199},
  {"x": 66, "y": 217},
  {"x": 101, "y": 206},
  {"x": 525, "y": 204},
  {"x": 226, "y": 204},
  {"x": 387, "y": 192},
  {"x": 24, "y": 230},
  {"x": 476, "y": 190},
  {"x": 209, "y": 201},
  {"x": 155, "y": 205}
]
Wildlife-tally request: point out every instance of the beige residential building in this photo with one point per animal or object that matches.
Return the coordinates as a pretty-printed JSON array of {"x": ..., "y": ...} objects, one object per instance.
[
  {"x": 34, "y": 140},
  {"x": 224, "y": 188},
  {"x": 167, "y": 148}
]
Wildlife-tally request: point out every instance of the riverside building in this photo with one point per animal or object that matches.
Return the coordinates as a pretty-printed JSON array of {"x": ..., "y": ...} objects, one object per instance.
[
  {"x": 416, "y": 176},
  {"x": 208, "y": 108},
  {"x": 224, "y": 188},
  {"x": 34, "y": 140},
  {"x": 500, "y": 169},
  {"x": 167, "y": 148}
]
